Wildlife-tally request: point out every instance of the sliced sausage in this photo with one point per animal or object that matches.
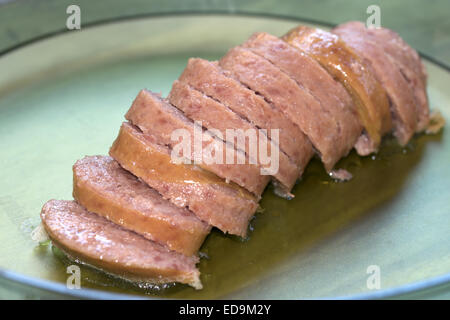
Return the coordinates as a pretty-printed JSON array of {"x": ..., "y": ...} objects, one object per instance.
[
  {"x": 226, "y": 206},
  {"x": 219, "y": 84},
  {"x": 158, "y": 117},
  {"x": 263, "y": 77},
  {"x": 404, "y": 58},
  {"x": 347, "y": 67},
  {"x": 312, "y": 77},
  {"x": 403, "y": 106},
  {"x": 103, "y": 187},
  {"x": 215, "y": 115}
]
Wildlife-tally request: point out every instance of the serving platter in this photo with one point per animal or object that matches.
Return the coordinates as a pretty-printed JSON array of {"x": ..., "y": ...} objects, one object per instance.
[{"x": 64, "y": 97}]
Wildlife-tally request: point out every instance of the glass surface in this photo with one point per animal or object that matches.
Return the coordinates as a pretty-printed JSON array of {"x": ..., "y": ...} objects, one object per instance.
[{"x": 70, "y": 102}]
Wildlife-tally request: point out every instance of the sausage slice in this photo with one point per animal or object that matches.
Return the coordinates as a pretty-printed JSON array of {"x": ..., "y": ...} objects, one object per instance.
[
  {"x": 157, "y": 117},
  {"x": 312, "y": 77},
  {"x": 403, "y": 104},
  {"x": 93, "y": 240},
  {"x": 403, "y": 57},
  {"x": 102, "y": 186},
  {"x": 218, "y": 84},
  {"x": 347, "y": 67},
  {"x": 226, "y": 206},
  {"x": 289, "y": 98},
  {"x": 214, "y": 115}
]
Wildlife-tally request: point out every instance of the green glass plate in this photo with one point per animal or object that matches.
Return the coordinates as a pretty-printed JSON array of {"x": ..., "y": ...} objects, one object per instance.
[{"x": 65, "y": 96}]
